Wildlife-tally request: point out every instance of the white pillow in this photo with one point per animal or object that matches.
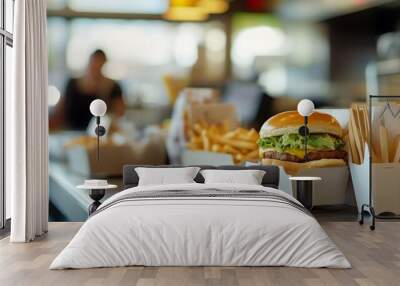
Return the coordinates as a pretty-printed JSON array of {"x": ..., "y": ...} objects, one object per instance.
[
  {"x": 165, "y": 176},
  {"x": 247, "y": 177}
]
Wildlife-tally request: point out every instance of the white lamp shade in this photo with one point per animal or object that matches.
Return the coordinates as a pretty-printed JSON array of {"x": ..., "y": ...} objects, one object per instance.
[
  {"x": 98, "y": 107},
  {"x": 305, "y": 107}
]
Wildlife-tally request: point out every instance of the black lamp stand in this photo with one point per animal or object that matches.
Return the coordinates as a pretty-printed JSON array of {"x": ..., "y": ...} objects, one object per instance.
[
  {"x": 100, "y": 131},
  {"x": 97, "y": 194},
  {"x": 305, "y": 187},
  {"x": 304, "y": 131}
]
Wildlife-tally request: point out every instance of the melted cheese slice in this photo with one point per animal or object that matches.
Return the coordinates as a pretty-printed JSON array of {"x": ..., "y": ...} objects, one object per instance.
[{"x": 296, "y": 152}]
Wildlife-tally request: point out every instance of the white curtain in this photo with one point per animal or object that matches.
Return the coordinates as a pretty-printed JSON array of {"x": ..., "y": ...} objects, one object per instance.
[{"x": 27, "y": 124}]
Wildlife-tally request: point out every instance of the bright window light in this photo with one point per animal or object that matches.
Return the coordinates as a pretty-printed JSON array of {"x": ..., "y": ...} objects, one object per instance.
[
  {"x": 142, "y": 44},
  {"x": 186, "y": 43},
  {"x": 134, "y": 6},
  {"x": 185, "y": 52},
  {"x": 116, "y": 70},
  {"x": 258, "y": 41},
  {"x": 215, "y": 40},
  {"x": 274, "y": 81},
  {"x": 140, "y": 53}
]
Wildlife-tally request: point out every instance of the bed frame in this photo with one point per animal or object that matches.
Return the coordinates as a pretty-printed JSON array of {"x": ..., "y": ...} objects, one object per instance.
[{"x": 271, "y": 177}]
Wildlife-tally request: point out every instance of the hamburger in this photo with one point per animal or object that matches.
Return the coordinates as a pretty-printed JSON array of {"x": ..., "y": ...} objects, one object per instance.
[{"x": 281, "y": 144}]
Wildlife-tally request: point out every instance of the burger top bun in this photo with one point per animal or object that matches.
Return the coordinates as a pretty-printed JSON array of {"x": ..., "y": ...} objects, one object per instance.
[{"x": 289, "y": 122}]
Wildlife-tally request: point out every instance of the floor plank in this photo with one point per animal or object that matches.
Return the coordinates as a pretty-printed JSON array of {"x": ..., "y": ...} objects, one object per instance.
[{"x": 375, "y": 257}]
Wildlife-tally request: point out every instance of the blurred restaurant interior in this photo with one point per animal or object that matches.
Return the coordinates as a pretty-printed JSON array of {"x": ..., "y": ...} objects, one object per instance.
[{"x": 259, "y": 56}]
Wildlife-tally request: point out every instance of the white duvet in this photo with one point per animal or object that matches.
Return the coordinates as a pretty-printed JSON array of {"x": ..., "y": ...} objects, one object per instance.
[{"x": 200, "y": 231}]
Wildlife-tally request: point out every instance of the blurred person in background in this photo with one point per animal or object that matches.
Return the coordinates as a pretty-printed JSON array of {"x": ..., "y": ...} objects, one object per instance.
[{"x": 72, "y": 112}]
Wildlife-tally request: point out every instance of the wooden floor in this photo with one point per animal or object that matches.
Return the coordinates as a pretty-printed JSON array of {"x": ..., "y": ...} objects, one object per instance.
[{"x": 375, "y": 257}]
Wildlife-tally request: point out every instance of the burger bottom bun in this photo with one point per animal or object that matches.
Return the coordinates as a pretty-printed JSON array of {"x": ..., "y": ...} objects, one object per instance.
[{"x": 292, "y": 168}]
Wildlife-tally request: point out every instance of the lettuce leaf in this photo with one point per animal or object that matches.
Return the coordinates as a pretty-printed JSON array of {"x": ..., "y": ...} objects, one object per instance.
[{"x": 296, "y": 141}]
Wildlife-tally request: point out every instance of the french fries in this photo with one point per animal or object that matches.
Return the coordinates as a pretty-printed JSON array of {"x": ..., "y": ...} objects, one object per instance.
[
  {"x": 241, "y": 143},
  {"x": 396, "y": 157},
  {"x": 236, "y": 143},
  {"x": 385, "y": 149}
]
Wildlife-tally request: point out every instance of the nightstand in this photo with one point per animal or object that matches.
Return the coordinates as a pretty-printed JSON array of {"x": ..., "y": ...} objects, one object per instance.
[{"x": 97, "y": 189}]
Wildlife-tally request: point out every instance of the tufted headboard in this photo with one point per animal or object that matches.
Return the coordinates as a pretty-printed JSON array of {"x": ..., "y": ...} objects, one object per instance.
[{"x": 271, "y": 177}]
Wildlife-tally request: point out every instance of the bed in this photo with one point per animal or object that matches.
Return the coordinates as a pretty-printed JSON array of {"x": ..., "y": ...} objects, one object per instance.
[{"x": 199, "y": 224}]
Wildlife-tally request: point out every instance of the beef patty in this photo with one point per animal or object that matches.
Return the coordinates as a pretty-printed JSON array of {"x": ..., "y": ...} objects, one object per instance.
[{"x": 311, "y": 155}]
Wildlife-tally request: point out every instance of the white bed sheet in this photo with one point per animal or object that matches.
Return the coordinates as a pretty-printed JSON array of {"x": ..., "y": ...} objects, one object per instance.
[{"x": 200, "y": 231}]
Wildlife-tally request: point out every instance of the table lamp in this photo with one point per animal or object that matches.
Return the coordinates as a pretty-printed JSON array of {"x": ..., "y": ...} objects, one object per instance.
[
  {"x": 305, "y": 108},
  {"x": 97, "y": 187},
  {"x": 98, "y": 108}
]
